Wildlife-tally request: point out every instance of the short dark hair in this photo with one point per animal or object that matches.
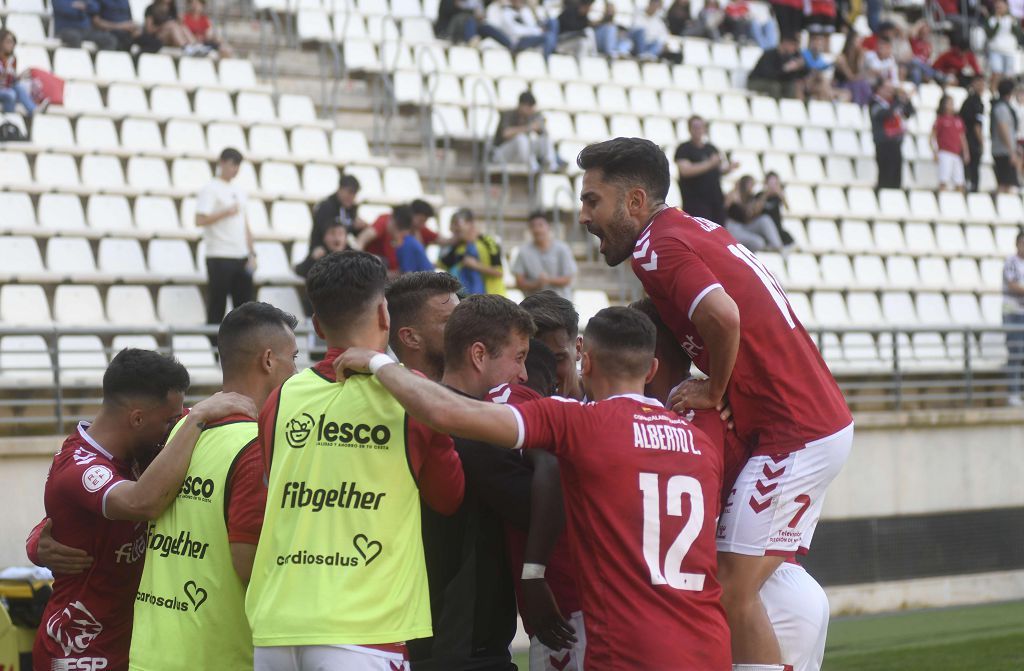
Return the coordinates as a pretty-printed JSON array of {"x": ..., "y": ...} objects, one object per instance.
[
  {"x": 538, "y": 214},
  {"x": 622, "y": 340},
  {"x": 143, "y": 373},
  {"x": 408, "y": 294},
  {"x": 422, "y": 207},
  {"x": 541, "y": 369},
  {"x": 401, "y": 216},
  {"x": 551, "y": 312},
  {"x": 630, "y": 161},
  {"x": 485, "y": 318},
  {"x": 463, "y": 214},
  {"x": 341, "y": 285},
  {"x": 526, "y": 98},
  {"x": 348, "y": 182},
  {"x": 231, "y": 155},
  {"x": 246, "y": 327},
  {"x": 1006, "y": 86},
  {"x": 646, "y": 306}
]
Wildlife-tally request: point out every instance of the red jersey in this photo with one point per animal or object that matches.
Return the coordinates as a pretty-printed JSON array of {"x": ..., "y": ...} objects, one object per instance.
[
  {"x": 641, "y": 487},
  {"x": 384, "y": 245},
  {"x": 198, "y": 25},
  {"x": 949, "y": 133},
  {"x": 957, "y": 62},
  {"x": 782, "y": 394},
  {"x": 89, "y": 615}
]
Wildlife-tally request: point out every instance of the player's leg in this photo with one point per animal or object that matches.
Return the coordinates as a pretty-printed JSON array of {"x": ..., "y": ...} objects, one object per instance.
[
  {"x": 543, "y": 658},
  {"x": 742, "y": 576},
  {"x": 329, "y": 658},
  {"x": 798, "y": 609},
  {"x": 276, "y": 658}
]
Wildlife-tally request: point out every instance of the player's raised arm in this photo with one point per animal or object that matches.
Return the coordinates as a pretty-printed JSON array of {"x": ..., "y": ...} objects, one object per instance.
[{"x": 433, "y": 404}]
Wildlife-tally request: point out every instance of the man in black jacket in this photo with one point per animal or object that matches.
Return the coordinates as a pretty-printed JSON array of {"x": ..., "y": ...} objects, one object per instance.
[
  {"x": 780, "y": 72},
  {"x": 972, "y": 112},
  {"x": 889, "y": 108}
]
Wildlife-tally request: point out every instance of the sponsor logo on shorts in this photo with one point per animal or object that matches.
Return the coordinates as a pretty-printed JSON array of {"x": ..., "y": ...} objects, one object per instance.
[
  {"x": 95, "y": 477},
  {"x": 183, "y": 545},
  {"x": 366, "y": 551},
  {"x": 73, "y": 627},
  {"x": 346, "y": 496},
  {"x": 328, "y": 433},
  {"x": 197, "y": 488},
  {"x": 80, "y": 664},
  {"x": 193, "y": 594}
]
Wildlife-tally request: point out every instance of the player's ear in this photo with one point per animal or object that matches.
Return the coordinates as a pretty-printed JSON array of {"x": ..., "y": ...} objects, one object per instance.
[
  {"x": 587, "y": 364},
  {"x": 637, "y": 199},
  {"x": 267, "y": 360},
  {"x": 653, "y": 371},
  {"x": 477, "y": 354},
  {"x": 579, "y": 348},
  {"x": 408, "y": 336},
  {"x": 383, "y": 318},
  {"x": 135, "y": 418}
]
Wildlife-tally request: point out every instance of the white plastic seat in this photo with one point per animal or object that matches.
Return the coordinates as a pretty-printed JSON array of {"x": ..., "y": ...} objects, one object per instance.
[
  {"x": 949, "y": 238},
  {"x": 445, "y": 88},
  {"x": 963, "y": 274},
  {"x": 498, "y": 62},
  {"x": 279, "y": 178},
  {"x": 24, "y": 305},
  {"x": 196, "y": 353},
  {"x": 81, "y": 360},
  {"x": 283, "y": 298},
  {"x": 190, "y": 174},
  {"x": 109, "y": 213},
  {"x": 898, "y": 308},
  {"x": 845, "y": 142},
  {"x": 52, "y": 132},
  {"x": 831, "y": 201},
  {"x": 115, "y": 66},
  {"x": 754, "y": 137},
  {"x": 464, "y": 61},
  {"x": 902, "y": 272},
  {"x": 28, "y": 28},
  {"x": 237, "y": 73},
  {"x": 836, "y": 271},
  {"x": 15, "y": 170},
  {"x": 449, "y": 121},
  {"x": 269, "y": 141},
  {"x": 255, "y": 107},
  {"x": 931, "y": 309},
  {"x": 221, "y": 135},
  {"x": 686, "y": 77},
  {"x": 102, "y": 172},
  {"x": 56, "y": 170},
  {"x": 724, "y": 135},
  {"x": 556, "y": 191},
  {"x": 580, "y": 96},
  {"x": 933, "y": 271},
  {"x": 964, "y": 309},
  {"x": 864, "y": 308},
  {"x": 370, "y": 186},
  {"x": 272, "y": 263},
  {"x": 180, "y": 306},
  {"x": 803, "y": 270},
  {"x": 862, "y": 202},
  {"x": 82, "y": 97},
  {"x": 71, "y": 258},
  {"x": 402, "y": 182},
  {"x": 823, "y": 234},
  {"x": 121, "y": 342},
  {"x": 979, "y": 240},
  {"x": 349, "y": 145},
  {"x": 612, "y": 99},
  {"x": 839, "y": 170},
  {"x": 157, "y": 69},
  {"x": 889, "y": 237},
  {"x": 127, "y": 98},
  {"x": 19, "y": 214},
  {"x": 313, "y": 25},
  {"x": 148, "y": 173},
  {"x": 310, "y": 143},
  {"x": 981, "y": 209},
  {"x": 170, "y": 102},
  {"x": 25, "y": 361},
  {"x": 920, "y": 238},
  {"x": 78, "y": 305},
  {"x": 173, "y": 260},
  {"x": 594, "y": 70},
  {"x": 295, "y": 109},
  {"x": 829, "y": 308},
  {"x": 869, "y": 271},
  {"x": 95, "y": 134},
  {"x": 214, "y": 104},
  {"x": 785, "y": 137},
  {"x": 61, "y": 212},
  {"x": 72, "y": 63},
  {"x": 659, "y": 130},
  {"x": 123, "y": 259},
  {"x": 361, "y": 55},
  {"x": 644, "y": 100},
  {"x": 815, "y": 140},
  {"x": 801, "y": 306},
  {"x": 291, "y": 218},
  {"x": 319, "y": 178},
  {"x": 20, "y": 258}
]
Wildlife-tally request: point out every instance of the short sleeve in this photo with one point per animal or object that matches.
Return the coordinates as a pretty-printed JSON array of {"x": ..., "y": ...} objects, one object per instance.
[
  {"x": 545, "y": 424},
  {"x": 681, "y": 153},
  {"x": 672, "y": 271},
  {"x": 568, "y": 262},
  {"x": 87, "y": 485},
  {"x": 519, "y": 267},
  {"x": 206, "y": 201},
  {"x": 248, "y": 497}
]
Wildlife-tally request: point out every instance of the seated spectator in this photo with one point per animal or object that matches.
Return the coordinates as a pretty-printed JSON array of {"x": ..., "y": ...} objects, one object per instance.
[
  {"x": 774, "y": 198},
  {"x": 518, "y": 20},
  {"x": 886, "y": 29},
  {"x": 409, "y": 250},
  {"x": 474, "y": 257},
  {"x": 790, "y": 16},
  {"x": 334, "y": 238},
  {"x": 709, "y": 20},
  {"x": 818, "y": 84},
  {"x": 463, "y": 21},
  {"x": 919, "y": 69},
  {"x": 162, "y": 29},
  {"x": 816, "y": 54},
  {"x": 522, "y": 138},
  {"x": 544, "y": 262},
  {"x": 649, "y": 31},
  {"x": 679, "y": 19},
  {"x": 746, "y": 219},
  {"x": 780, "y": 71},
  {"x": 1004, "y": 39},
  {"x": 850, "y": 73},
  {"x": 12, "y": 91},
  {"x": 881, "y": 64},
  {"x": 379, "y": 238},
  {"x": 338, "y": 208},
  {"x": 601, "y": 36},
  {"x": 198, "y": 23},
  {"x": 72, "y": 23},
  {"x": 958, "y": 61},
  {"x": 738, "y": 22},
  {"x": 949, "y": 143},
  {"x": 115, "y": 17}
]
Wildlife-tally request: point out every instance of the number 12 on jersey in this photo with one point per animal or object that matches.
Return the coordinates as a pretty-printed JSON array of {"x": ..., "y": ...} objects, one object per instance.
[{"x": 677, "y": 487}]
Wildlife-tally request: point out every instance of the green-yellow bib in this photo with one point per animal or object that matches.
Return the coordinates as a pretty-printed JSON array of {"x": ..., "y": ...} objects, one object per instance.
[
  {"x": 190, "y": 608},
  {"x": 340, "y": 559}
]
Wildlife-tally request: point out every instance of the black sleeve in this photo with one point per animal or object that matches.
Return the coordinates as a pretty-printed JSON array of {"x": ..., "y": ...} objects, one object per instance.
[
  {"x": 302, "y": 269},
  {"x": 499, "y": 478},
  {"x": 451, "y": 257},
  {"x": 322, "y": 217},
  {"x": 496, "y": 261},
  {"x": 767, "y": 67},
  {"x": 684, "y": 152}
]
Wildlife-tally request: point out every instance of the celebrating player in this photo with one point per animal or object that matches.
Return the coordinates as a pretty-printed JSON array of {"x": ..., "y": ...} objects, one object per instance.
[
  {"x": 641, "y": 489},
  {"x": 558, "y": 327},
  {"x": 200, "y": 551},
  {"x": 419, "y": 305},
  {"x": 338, "y": 580},
  {"x": 96, "y": 501},
  {"x": 733, "y": 319}
]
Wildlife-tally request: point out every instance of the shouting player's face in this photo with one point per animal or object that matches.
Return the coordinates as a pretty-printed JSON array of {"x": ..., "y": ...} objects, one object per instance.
[{"x": 604, "y": 213}]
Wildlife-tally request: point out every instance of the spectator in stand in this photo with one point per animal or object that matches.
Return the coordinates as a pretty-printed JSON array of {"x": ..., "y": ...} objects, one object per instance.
[
  {"x": 822, "y": 17},
  {"x": 12, "y": 91},
  {"x": 1013, "y": 315},
  {"x": 972, "y": 112},
  {"x": 790, "y": 16},
  {"x": 230, "y": 255},
  {"x": 774, "y": 198},
  {"x": 544, "y": 262},
  {"x": 518, "y": 20},
  {"x": 958, "y": 61},
  {"x": 1005, "y": 153},
  {"x": 163, "y": 29},
  {"x": 649, "y": 31},
  {"x": 340, "y": 207},
  {"x": 333, "y": 238},
  {"x": 701, "y": 167},
  {"x": 889, "y": 108},
  {"x": 816, "y": 55},
  {"x": 881, "y": 64},
  {"x": 115, "y": 17},
  {"x": 198, "y": 22},
  {"x": 949, "y": 142},
  {"x": 780, "y": 72},
  {"x": 679, "y": 19},
  {"x": 379, "y": 238},
  {"x": 409, "y": 251},
  {"x": 72, "y": 23},
  {"x": 1004, "y": 39},
  {"x": 818, "y": 83},
  {"x": 886, "y": 29},
  {"x": 522, "y": 138},
  {"x": 746, "y": 219},
  {"x": 600, "y": 36},
  {"x": 737, "y": 21},
  {"x": 709, "y": 20},
  {"x": 463, "y": 21},
  {"x": 850, "y": 73},
  {"x": 920, "y": 69},
  {"x": 474, "y": 257}
]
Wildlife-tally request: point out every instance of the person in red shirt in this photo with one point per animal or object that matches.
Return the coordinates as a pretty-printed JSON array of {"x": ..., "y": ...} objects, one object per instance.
[
  {"x": 641, "y": 488},
  {"x": 198, "y": 23},
  {"x": 96, "y": 501},
  {"x": 949, "y": 142},
  {"x": 379, "y": 238},
  {"x": 959, "y": 62},
  {"x": 733, "y": 319}
]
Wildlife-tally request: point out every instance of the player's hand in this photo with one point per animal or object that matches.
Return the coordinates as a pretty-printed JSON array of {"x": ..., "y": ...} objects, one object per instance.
[
  {"x": 725, "y": 413},
  {"x": 59, "y": 558},
  {"x": 318, "y": 253},
  {"x": 354, "y": 360},
  {"x": 551, "y": 628},
  {"x": 693, "y": 395},
  {"x": 221, "y": 405},
  {"x": 232, "y": 211}
]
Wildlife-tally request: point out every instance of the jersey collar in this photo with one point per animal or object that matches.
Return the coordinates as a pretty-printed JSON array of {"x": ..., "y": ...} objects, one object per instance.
[
  {"x": 639, "y": 398},
  {"x": 650, "y": 222},
  {"x": 83, "y": 432}
]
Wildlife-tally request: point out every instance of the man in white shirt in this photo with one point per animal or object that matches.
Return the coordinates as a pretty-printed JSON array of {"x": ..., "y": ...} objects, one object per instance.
[
  {"x": 649, "y": 31},
  {"x": 881, "y": 63},
  {"x": 1013, "y": 315},
  {"x": 518, "y": 19},
  {"x": 230, "y": 256}
]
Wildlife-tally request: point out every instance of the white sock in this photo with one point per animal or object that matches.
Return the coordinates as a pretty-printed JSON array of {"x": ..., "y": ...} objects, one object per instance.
[{"x": 758, "y": 667}]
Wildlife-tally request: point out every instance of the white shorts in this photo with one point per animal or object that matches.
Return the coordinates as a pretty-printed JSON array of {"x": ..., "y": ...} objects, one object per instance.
[
  {"x": 951, "y": 169},
  {"x": 1002, "y": 63},
  {"x": 798, "y": 609},
  {"x": 776, "y": 501},
  {"x": 327, "y": 658},
  {"x": 543, "y": 658}
]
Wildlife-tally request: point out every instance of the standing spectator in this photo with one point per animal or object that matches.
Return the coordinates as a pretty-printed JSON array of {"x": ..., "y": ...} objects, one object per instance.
[
  {"x": 518, "y": 20},
  {"x": 12, "y": 91},
  {"x": 1013, "y": 315},
  {"x": 1004, "y": 39},
  {"x": 544, "y": 263},
  {"x": 747, "y": 220},
  {"x": 780, "y": 71},
  {"x": 522, "y": 138},
  {"x": 949, "y": 142},
  {"x": 958, "y": 61},
  {"x": 474, "y": 257},
  {"x": 72, "y": 23},
  {"x": 889, "y": 108},
  {"x": 463, "y": 21},
  {"x": 972, "y": 112},
  {"x": 409, "y": 251},
  {"x": 379, "y": 238},
  {"x": 198, "y": 22},
  {"x": 649, "y": 31},
  {"x": 701, "y": 167},
  {"x": 790, "y": 16},
  {"x": 115, "y": 17},
  {"x": 851, "y": 74},
  {"x": 1003, "y": 125},
  {"x": 881, "y": 64},
  {"x": 230, "y": 255},
  {"x": 340, "y": 207}
]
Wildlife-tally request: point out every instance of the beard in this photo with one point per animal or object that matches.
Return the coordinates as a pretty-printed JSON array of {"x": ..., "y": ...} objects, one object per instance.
[{"x": 619, "y": 237}]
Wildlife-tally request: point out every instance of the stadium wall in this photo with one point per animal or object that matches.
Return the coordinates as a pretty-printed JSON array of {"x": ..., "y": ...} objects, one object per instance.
[{"x": 928, "y": 512}]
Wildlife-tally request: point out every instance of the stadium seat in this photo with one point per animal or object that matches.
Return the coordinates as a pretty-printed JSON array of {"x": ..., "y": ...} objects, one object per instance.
[
  {"x": 196, "y": 353},
  {"x": 823, "y": 234},
  {"x": 221, "y": 135},
  {"x": 949, "y": 238},
  {"x": 898, "y": 308},
  {"x": 269, "y": 142},
  {"x": 82, "y": 97},
  {"x": 964, "y": 309},
  {"x": 72, "y": 64},
  {"x": 371, "y": 189},
  {"x": 612, "y": 99},
  {"x": 156, "y": 213},
  {"x": 920, "y": 238},
  {"x": 81, "y": 360},
  {"x": 121, "y": 342},
  {"x": 180, "y": 306},
  {"x": 864, "y": 308},
  {"x": 96, "y": 134},
  {"x": 829, "y": 308},
  {"x": 295, "y": 109},
  {"x": 256, "y": 216},
  {"x": 128, "y": 99},
  {"x": 964, "y": 274},
  {"x": 402, "y": 183},
  {"x": 123, "y": 259},
  {"x": 237, "y": 73},
  {"x": 53, "y": 132},
  {"x": 61, "y": 212},
  {"x": 255, "y": 107},
  {"x": 279, "y": 178},
  {"x": 130, "y": 305},
  {"x": 934, "y": 272},
  {"x": 888, "y": 237},
  {"x": 25, "y": 362},
  {"x": 71, "y": 259},
  {"x": 20, "y": 260},
  {"x": 862, "y": 202},
  {"x": 19, "y": 213},
  {"x": 802, "y": 270},
  {"x": 172, "y": 260},
  {"x": 991, "y": 271},
  {"x": 869, "y": 271},
  {"x": 902, "y": 272},
  {"x": 78, "y": 306},
  {"x": 836, "y": 271},
  {"x": 272, "y": 264},
  {"x": 980, "y": 208},
  {"x": 310, "y": 143},
  {"x": 170, "y": 102},
  {"x": 214, "y": 104},
  {"x": 24, "y": 305},
  {"x": 320, "y": 178},
  {"x": 57, "y": 171},
  {"x": 291, "y": 219},
  {"x": 115, "y": 66},
  {"x": 588, "y": 303},
  {"x": 190, "y": 174},
  {"x": 931, "y": 309},
  {"x": 556, "y": 191},
  {"x": 156, "y": 69},
  {"x": 102, "y": 173},
  {"x": 979, "y": 240}
]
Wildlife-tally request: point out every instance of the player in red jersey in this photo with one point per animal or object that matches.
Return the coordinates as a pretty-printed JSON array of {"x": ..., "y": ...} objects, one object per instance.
[
  {"x": 641, "y": 488},
  {"x": 97, "y": 501},
  {"x": 734, "y": 320}
]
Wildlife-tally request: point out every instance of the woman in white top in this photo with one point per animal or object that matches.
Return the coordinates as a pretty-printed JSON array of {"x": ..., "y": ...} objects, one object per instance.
[{"x": 1004, "y": 38}]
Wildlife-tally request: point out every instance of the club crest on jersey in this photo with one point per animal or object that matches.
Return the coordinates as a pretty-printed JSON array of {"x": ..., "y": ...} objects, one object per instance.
[
  {"x": 95, "y": 477},
  {"x": 298, "y": 430},
  {"x": 73, "y": 628},
  {"x": 83, "y": 457}
]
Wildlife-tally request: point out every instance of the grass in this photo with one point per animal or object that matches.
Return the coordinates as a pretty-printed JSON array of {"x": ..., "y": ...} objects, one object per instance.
[{"x": 971, "y": 638}]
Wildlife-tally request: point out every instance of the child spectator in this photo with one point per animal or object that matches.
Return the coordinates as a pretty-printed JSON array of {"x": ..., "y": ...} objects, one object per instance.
[
  {"x": 919, "y": 69},
  {"x": 12, "y": 91},
  {"x": 881, "y": 64},
  {"x": 162, "y": 29},
  {"x": 949, "y": 142},
  {"x": 198, "y": 23}
]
